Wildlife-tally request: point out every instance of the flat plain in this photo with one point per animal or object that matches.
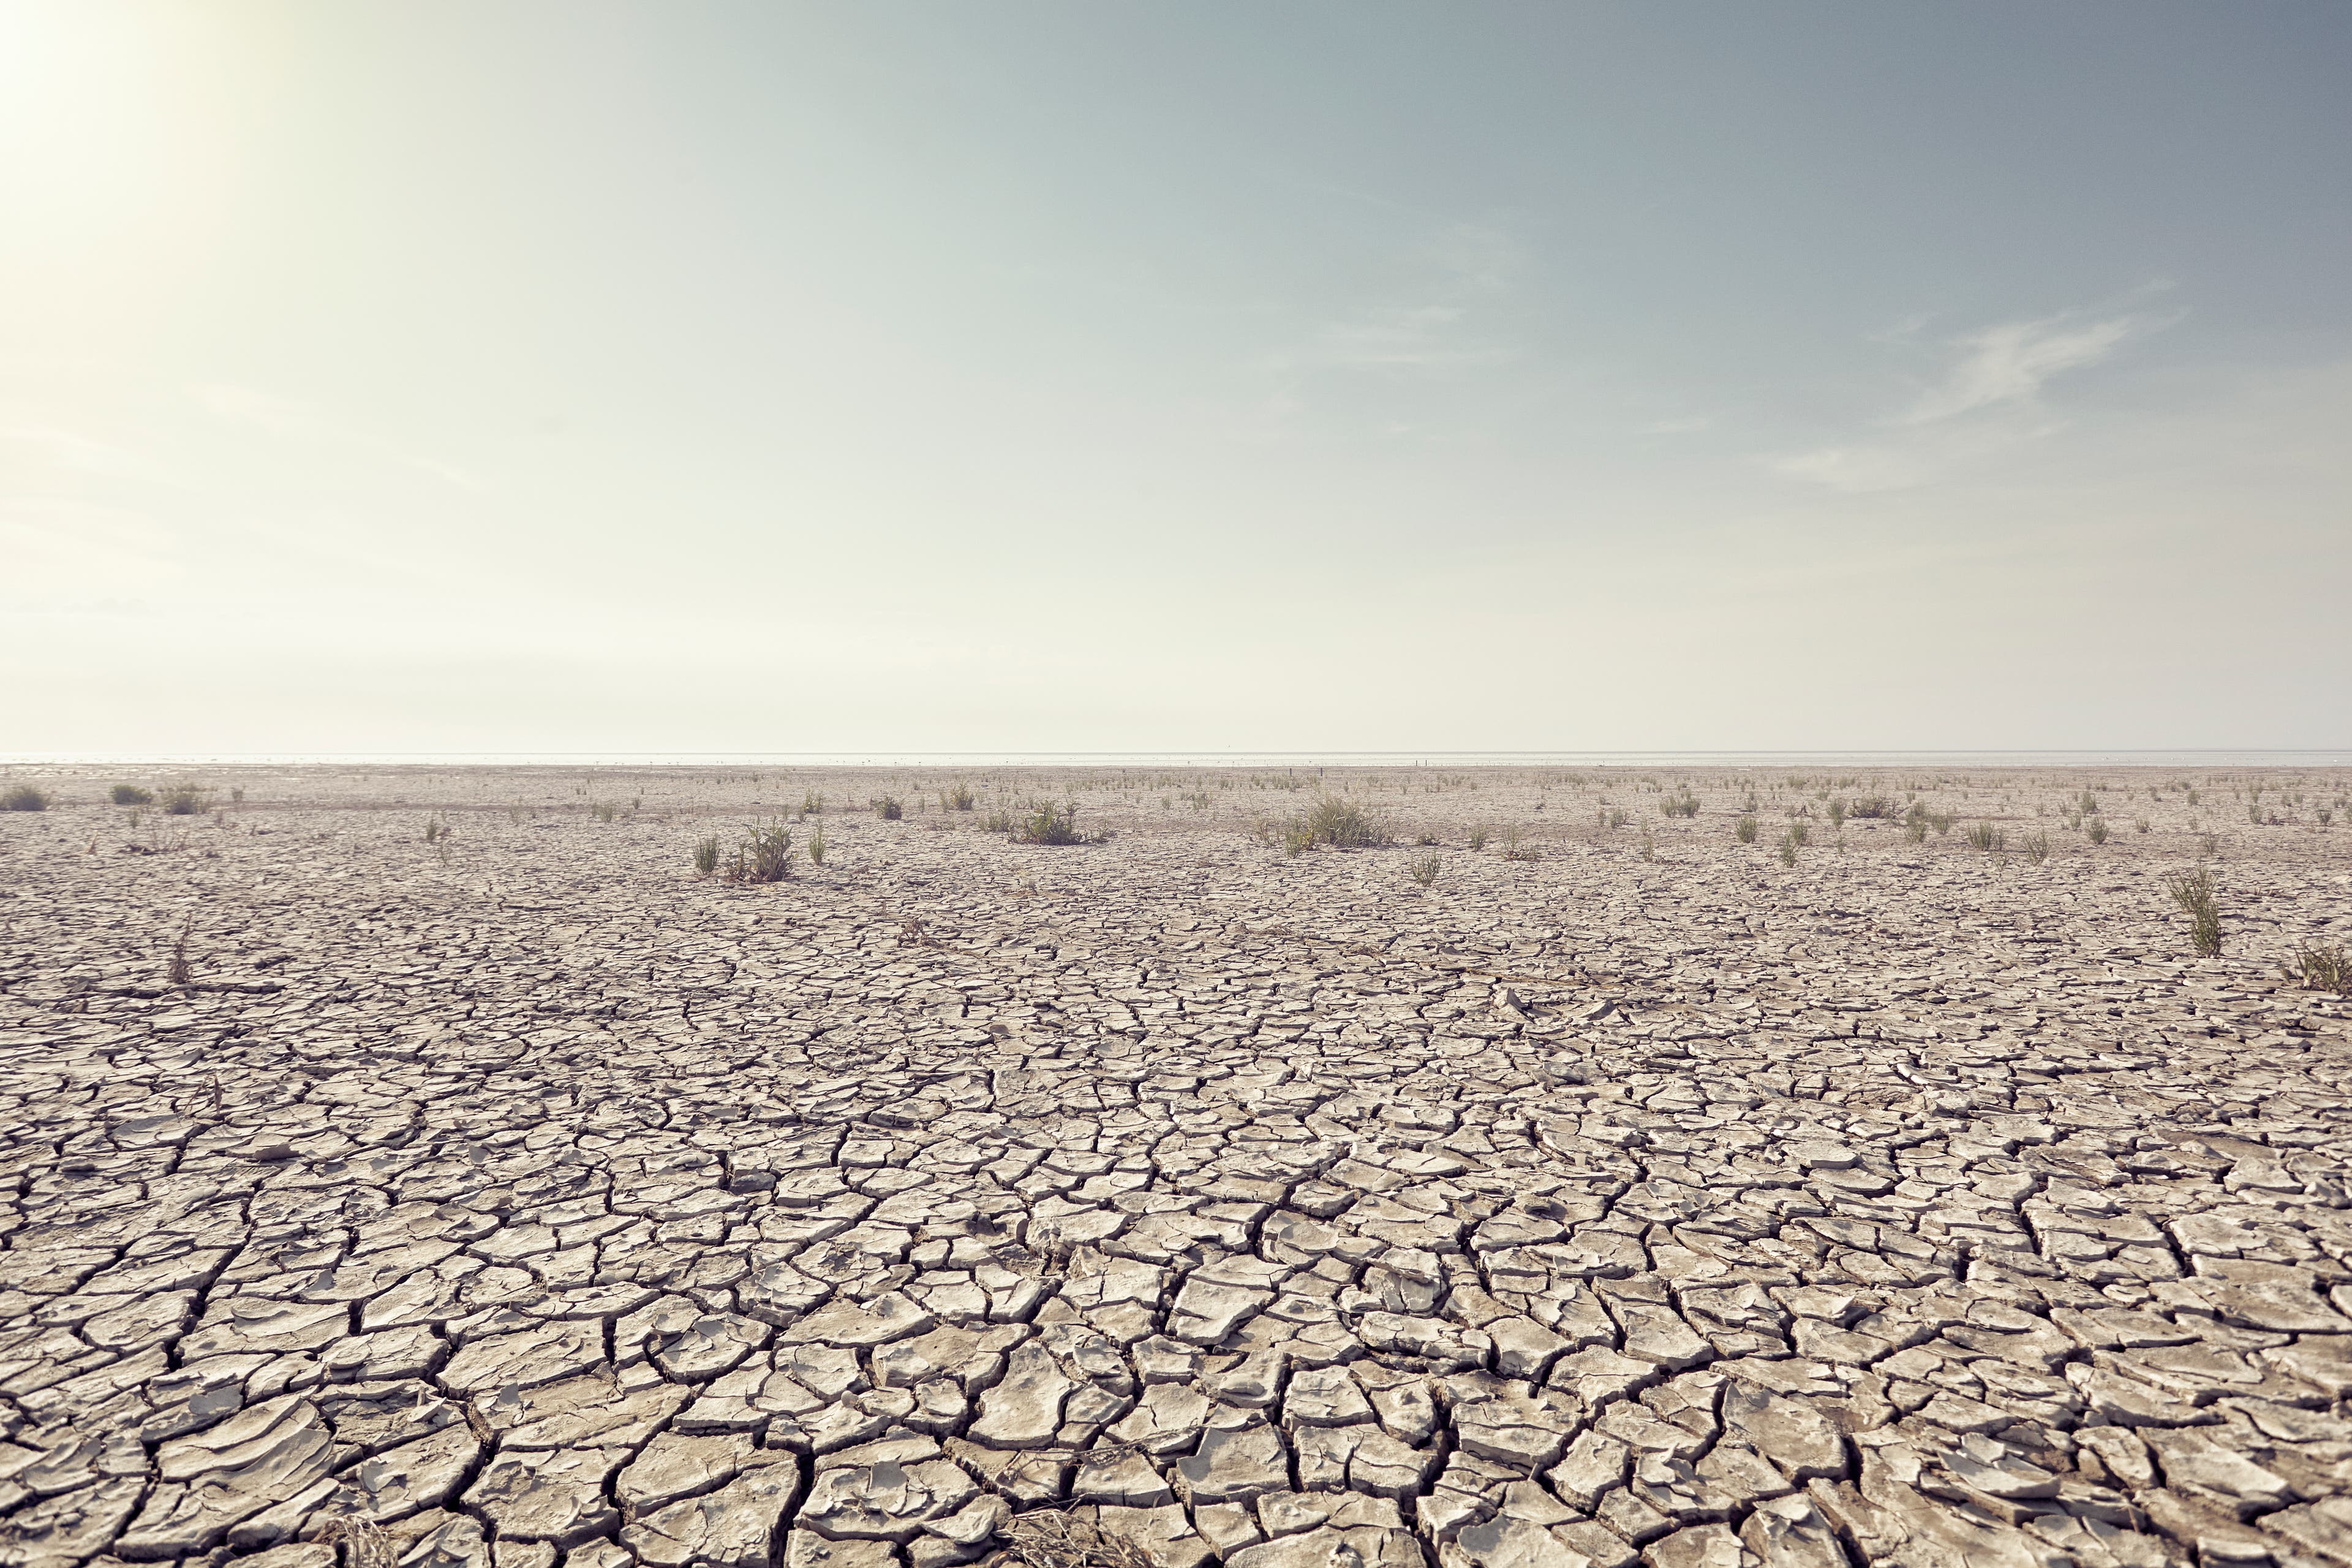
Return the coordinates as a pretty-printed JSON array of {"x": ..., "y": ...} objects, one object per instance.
[{"x": 1625, "y": 1192}]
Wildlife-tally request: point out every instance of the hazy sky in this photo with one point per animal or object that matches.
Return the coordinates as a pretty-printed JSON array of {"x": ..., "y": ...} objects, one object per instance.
[{"x": 1003, "y": 376}]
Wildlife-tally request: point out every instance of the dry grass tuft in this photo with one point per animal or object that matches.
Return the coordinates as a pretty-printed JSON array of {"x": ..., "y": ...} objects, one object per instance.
[
  {"x": 1051, "y": 1538},
  {"x": 2321, "y": 966},
  {"x": 24, "y": 798}
]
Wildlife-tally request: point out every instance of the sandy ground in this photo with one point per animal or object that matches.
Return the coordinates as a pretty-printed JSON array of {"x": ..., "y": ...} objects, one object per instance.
[{"x": 517, "y": 1195}]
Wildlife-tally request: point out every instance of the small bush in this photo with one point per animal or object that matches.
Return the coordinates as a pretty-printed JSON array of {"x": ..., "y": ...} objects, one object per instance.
[
  {"x": 1426, "y": 839},
  {"x": 706, "y": 855},
  {"x": 1478, "y": 837},
  {"x": 2319, "y": 967},
  {"x": 1296, "y": 837},
  {"x": 605, "y": 811},
  {"x": 2097, "y": 829},
  {"x": 816, "y": 845},
  {"x": 2139, "y": 824},
  {"x": 1617, "y": 817},
  {"x": 1800, "y": 833},
  {"x": 2192, "y": 893},
  {"x": 889, "y": 808},
  {"x": 1874, "y": 806},
  {"x": 1515, "y": 850},
  {"x": 2207, "y": 845},
  {"x": 959, "y": 798},
  {"x": 131, "y": 795},
  {"x": 1049, "y": 824},
  {"x": 1837, "y": 814},
  {"x": 1649, "y": 846},
  {"x": 997, "y": 820},
  {"x": 1745, "y": 828},
  {"x": 24, "y": 798},
  {"x": 187, "y": 800},
  {"x": 765, "y": 857},
  {"x": 1344, "y": 825},
  {"x": 2037, "y": 848},
  {"x": 1683, "y": 805},
  {"x": 1986, "y": 837},
  {"x": 1789, "y": 842},
  {"x": 811, "y": 804},
  {"x": 1424, "y": 868}
]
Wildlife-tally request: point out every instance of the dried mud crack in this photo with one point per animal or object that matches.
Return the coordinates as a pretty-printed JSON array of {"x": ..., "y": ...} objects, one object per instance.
[{"x": 511, "y": 1196}]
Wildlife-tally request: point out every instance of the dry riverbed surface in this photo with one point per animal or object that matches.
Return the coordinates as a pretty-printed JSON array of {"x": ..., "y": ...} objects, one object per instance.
[{"x": 514, "y": 1196}]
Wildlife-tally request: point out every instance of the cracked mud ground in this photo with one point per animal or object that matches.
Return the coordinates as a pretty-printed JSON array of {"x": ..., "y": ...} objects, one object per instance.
[{"x": 517, "y": 1198}]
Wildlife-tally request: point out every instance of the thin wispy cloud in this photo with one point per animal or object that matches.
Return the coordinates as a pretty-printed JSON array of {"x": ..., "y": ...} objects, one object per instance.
[
  {"x": 2007, "y": 365},
  {"x": 1989, "y": 396}
]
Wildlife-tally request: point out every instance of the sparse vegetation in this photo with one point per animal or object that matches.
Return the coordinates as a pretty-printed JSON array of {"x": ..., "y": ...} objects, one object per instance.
[
  {"x": 1984, "y": 836},
  {"x": 1837, "y": 814},
  {"x": 816, "y": 845},
  {"x": 2097, "y": 829},
  {"x": 1341, "y": 823},
  {"x": 956, "y": 797},
  {"x": 1745, "y": 828},
  {"x": 1789, "y": 842},
  {"x": 1049, "y": 824},
  {"x": 1683, "y": 805},
  {"x": 605, "y": 811},
  {"x": 1478, "y": 837},
  {"x": 2320, "y": 966},
  {"x": 890, "y": 807},
  {"x": 131, "y": 795},
  {"x": 24, "y": 798},
  {"x": 1872, "y": 806},
  {"x": 183, "y": 800},
  {"x": 1423, "y": 868},
  {"x": 706, "y": 855},
  {"x": 2192, "y": 892},
  {"x": 2037, "y": 848},
  {"x": 765, "y": 857}
]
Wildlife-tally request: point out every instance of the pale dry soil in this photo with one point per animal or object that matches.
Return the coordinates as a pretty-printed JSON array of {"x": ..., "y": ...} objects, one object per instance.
[{"x": 517, "y": 1197}]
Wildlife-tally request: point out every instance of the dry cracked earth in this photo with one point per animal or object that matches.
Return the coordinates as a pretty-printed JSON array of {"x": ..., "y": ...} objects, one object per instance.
[{"x": 517, "y": 1197}]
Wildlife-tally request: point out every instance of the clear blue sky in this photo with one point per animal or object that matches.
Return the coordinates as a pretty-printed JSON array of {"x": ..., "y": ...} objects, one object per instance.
[{"x": 505, "y": 377}]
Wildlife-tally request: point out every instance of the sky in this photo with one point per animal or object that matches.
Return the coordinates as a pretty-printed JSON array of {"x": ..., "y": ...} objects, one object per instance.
[{"x": 481, "y": 376}]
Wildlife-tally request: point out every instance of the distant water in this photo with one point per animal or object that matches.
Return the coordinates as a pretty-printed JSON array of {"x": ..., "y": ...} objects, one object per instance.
[{"x": 1291, "y": 760}]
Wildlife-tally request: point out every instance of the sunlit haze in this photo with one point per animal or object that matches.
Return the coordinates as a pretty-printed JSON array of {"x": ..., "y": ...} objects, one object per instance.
[{"x": 450, "y": 378}]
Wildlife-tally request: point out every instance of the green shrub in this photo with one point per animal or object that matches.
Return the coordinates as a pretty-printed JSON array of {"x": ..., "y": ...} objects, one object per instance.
[
  {"x": 997, "y": 820},
  {"x": 816, "y": 845},
  {"x": 2097, "y": 829},
  {"x": 706, "y": 855},
  {"x": 1986, "y": 837},
  {"x": 1049, "y": 824},
  {"x": 1872, "y": 806},
  {"x": 185, "y": 800},
  {"x": 1683, "y": 805},
  {"x": 25, "y": 797},
  {"x": 765, "y": 857},
  {"x": 889, "y": 808},
  {"x": 1800, "y": 832},
  {"x": 811, "y": 804},
  {"x": 1478, "y": 837},
  {"x": 1344, "y": 825},
  {"x": 2037, "y": 848},
  {"x": 131, "y": 795},
  {"x": 1789, "y": 842},
  {"x": 2192, "y": 892},
  {"x": 1424, "y": 868},
  {"x": 1837, "y": 814},
  {"x": 958, "y": 798},
  {"x": 1745, "y": 828},
  {"x": 2319, "y": 967}
]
